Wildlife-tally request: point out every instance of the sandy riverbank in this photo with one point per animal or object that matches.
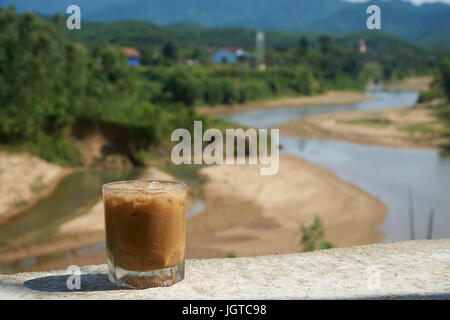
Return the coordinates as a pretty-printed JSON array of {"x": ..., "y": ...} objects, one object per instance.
[
  {"x": 25, "y": 179},
  {"x": 329, "y": 98},
  {"x": 246, "y": 214},
  {"x": 415, "y": 127},
  {"x": 249, "y": 214}
]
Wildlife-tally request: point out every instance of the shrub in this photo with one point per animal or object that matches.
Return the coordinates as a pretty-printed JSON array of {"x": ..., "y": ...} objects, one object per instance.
[
  {"x": 428, "y": 95},
  {"x": 253, "y": 91},
  {"x": 230, "y": 92},
  {"x": 313, "y": 236},
  {"x": 181, "y": 86},
  {"x": 445, "y": 76},
  {"x": 275, "y": 86},
  {"x": 304, "y": 83},
  {"x": 213, "y": 93},
  {"x": 58, "y": 150}
]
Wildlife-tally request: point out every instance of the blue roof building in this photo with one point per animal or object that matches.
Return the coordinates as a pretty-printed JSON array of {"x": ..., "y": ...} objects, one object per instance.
[
  {"x": 227, "y": 55},
  {"x": 133, "y": 56}
]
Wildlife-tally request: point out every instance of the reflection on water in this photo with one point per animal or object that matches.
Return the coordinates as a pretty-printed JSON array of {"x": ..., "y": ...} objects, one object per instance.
[{"x": 382, "y": 171}]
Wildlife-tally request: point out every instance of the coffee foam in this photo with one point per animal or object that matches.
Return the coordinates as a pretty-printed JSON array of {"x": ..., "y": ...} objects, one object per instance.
[{"x": 142, "y": 187}]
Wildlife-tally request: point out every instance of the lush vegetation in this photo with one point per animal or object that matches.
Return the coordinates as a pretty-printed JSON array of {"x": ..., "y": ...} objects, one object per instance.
[
  {"x": 212, "y": 85},
  {"x": 387, "y": 56},
  {"x": 56, "y": 85},
  {"x": 49, "y": 86},
  {"x": 440, "y": 92},
  {"x": 440, "y": 86},
  {"x": 443, "y": 110}
]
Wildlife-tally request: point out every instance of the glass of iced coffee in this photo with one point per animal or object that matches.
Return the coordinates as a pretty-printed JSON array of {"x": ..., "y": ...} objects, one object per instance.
[{"x": 145, "y": 226}]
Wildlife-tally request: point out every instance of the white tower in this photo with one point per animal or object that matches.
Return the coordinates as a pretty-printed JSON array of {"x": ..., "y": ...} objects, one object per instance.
[{"x": 259, "y": 55}]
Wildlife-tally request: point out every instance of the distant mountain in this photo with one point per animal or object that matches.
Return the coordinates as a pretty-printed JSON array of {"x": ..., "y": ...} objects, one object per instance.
[{"x": 426, "y": 24}]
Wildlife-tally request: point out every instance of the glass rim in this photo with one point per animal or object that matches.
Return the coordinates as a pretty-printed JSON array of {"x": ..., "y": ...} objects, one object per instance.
[{"x": 168, "y": 186}]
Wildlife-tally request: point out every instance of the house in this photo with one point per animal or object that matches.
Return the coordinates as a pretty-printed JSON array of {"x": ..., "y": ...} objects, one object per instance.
[
  {"x": 133, "y": 56},
  {"x": 228, "y": 55}
]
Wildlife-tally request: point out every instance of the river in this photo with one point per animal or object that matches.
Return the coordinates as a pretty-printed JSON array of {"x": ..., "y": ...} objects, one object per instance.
[{"x": 386, "y": 173}]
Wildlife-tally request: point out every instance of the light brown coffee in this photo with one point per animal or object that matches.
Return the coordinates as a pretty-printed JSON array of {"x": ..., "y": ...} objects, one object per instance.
[{"x": 145, "y": 227}]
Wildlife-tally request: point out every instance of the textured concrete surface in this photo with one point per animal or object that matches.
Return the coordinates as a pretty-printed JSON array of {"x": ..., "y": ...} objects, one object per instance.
[{"x": 412, "y": 269}]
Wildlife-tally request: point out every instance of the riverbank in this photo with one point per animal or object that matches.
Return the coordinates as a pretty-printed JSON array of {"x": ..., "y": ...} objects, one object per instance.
[
  {"x": 83, "y": 229},
  {"x": 415, "y": 127},
  {"x": 26, "y": 179},
  {"x": 329, "y": 98},
  {"x": 276, "y": 206},
  {"x": 245, "y": 214},
  {"x": 413, "y": 84}
]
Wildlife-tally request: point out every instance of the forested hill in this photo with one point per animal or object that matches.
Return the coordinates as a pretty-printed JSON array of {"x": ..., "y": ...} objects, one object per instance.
[
  {"x": 142, "y": 34},
  {"x": 426, "y": 24}
]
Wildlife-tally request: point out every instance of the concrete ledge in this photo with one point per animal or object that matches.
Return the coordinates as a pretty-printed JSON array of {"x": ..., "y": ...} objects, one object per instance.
[{"x": 413, "y": 269}]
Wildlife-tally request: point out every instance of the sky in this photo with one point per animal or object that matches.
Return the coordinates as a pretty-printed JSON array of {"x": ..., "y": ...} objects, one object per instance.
[{"x": 416, "y": 2}]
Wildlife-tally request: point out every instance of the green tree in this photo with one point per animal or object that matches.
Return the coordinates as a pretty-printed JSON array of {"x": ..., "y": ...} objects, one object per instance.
[
  {"x": 213, "y": 93},
  {"x": 445, "y": 76},
  {"x": 181, "y": 86},
  {"x": 151, "y": 57},
  {"x": 33, "y": 78},
  {"x": 325, "y": 44},
  {"x": 230, "y": 92},
  {"x": 303, "y": 45},
  {"x": 48, "y": 84},
  {"x": 170, "y": 51}
]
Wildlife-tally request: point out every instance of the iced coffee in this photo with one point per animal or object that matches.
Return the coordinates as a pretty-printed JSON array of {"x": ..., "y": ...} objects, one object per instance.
[{"x": 145, "y": 226}]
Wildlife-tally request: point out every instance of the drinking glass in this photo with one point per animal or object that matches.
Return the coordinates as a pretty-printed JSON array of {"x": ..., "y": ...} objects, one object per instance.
[{"x": 145, "y": 225}]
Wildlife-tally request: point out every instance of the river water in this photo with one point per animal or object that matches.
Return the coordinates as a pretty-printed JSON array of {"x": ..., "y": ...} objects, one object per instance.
[{"x": 387, "y": 173}]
